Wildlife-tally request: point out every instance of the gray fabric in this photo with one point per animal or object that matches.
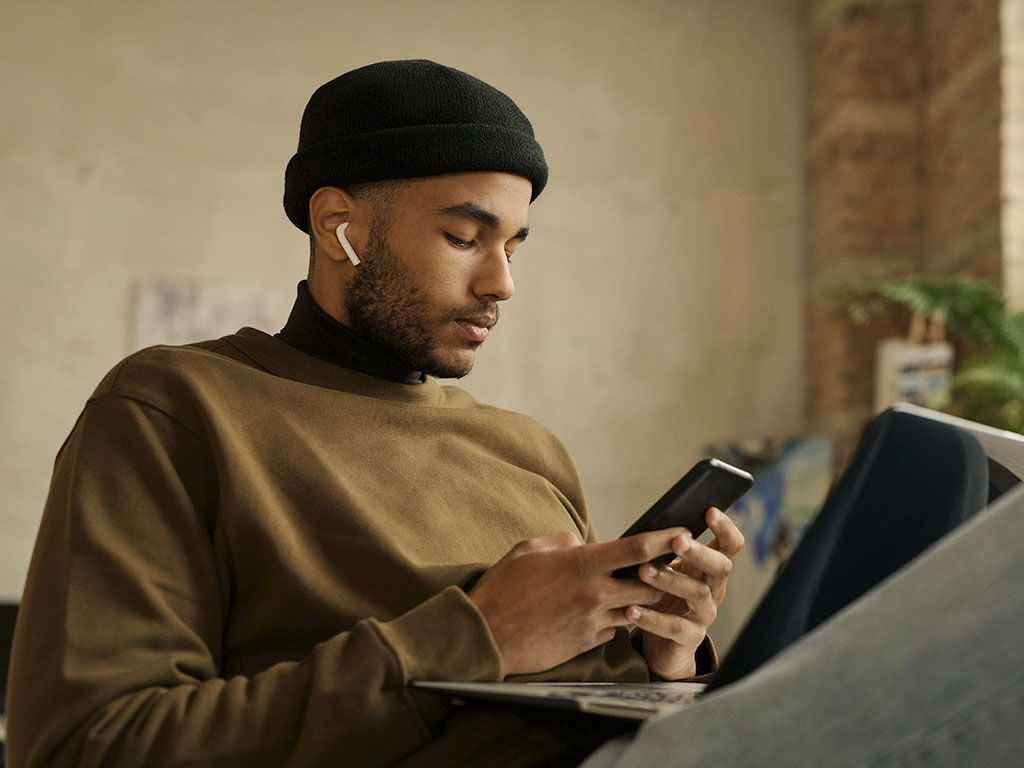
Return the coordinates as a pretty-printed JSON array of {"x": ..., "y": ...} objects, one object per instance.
[
  {"x": 912, "y": 481},
  {"x": 926, "y": 669}
]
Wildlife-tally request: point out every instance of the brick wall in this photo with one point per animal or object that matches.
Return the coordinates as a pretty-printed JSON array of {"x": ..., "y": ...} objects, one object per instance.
[
  {"x": 903, "y": 170},
  {"x": 961, "y": 136},
  {"x": 865, "y": 186}
]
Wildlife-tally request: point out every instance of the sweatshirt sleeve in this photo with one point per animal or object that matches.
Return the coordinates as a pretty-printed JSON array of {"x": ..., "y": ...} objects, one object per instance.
[{"x": 117, "y": 652}]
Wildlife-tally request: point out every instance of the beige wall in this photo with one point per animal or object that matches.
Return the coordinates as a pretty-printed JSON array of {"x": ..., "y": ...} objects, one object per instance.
[{"x": 658, "y": 302}]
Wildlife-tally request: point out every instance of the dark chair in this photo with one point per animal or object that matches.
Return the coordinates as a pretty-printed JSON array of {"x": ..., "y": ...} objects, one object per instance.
[
  {"x": 911, "y": 481},
  {"x": 8, "y": 613}
]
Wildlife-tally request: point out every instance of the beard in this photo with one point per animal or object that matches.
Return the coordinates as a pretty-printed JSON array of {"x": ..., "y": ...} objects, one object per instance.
[{"x": 384, "y": 304}]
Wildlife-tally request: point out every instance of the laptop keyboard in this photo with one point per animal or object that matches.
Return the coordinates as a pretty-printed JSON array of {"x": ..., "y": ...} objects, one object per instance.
[{"x": 643, "y": 692}]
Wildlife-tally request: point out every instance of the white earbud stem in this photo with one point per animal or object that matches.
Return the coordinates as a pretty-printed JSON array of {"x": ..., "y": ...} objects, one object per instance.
[{"x": 347, "y": 245}]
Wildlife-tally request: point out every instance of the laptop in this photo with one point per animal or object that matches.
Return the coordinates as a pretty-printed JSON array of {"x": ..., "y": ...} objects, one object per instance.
[
  {"x": 1004, "y": 454},
  {"x": 625, "y": 701}
]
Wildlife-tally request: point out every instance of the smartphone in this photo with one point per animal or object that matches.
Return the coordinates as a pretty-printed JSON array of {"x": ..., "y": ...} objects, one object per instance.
[{"x": 711, "y": 483}]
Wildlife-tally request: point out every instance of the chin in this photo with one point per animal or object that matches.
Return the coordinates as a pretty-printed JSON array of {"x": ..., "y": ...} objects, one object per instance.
[
  {"x": 453, "y": 366},
  {"x": 449, "y": 372}
]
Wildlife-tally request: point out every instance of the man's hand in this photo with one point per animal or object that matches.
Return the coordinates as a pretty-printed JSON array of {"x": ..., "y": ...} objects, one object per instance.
[
  {"x": 552, "y": 598},
  {"x": 694, "y": 586}
]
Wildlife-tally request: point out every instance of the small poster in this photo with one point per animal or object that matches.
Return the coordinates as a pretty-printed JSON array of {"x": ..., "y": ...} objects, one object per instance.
[{"x": 913, "y": 373}]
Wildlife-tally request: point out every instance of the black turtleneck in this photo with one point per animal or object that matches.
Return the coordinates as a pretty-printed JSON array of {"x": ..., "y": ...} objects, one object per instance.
[{"x": 311, "y": 330}]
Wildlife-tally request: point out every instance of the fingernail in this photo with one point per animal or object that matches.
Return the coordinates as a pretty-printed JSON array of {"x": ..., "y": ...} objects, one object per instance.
[
  {"x": 649, "y": 570},
  {"x": 685, "y": 545},
  {"x": 632, "y": 613}
]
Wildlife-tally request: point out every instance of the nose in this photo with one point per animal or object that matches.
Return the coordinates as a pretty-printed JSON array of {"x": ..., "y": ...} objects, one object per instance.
[{"x": 493, "y": 278}]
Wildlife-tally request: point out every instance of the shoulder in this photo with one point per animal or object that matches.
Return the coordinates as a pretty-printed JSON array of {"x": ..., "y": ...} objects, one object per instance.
[
  {"x": 163, "y": 374},
  {"x": 456, "y": 397}
]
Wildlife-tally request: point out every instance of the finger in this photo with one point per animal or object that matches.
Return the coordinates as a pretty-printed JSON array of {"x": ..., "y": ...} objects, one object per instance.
[
  {"x": 667, "y": 625},
  {"x": 560, "y": 540},
  {"x": 695, "y": 593},
  {"x": 728, "y": 538},
  {"x": 620, "y": 593},
  {"x": 631, "y": 550},
  {"x": 713, "y": 564}
]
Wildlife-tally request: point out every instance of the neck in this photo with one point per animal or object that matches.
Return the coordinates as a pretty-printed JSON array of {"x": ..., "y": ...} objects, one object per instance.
[{"x": 311, "y": 330}]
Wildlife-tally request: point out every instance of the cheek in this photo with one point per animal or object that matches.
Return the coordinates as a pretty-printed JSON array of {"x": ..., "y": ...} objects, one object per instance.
[
  {"x": 443, "y": 281},
  {"x": 438, "y": 274}
]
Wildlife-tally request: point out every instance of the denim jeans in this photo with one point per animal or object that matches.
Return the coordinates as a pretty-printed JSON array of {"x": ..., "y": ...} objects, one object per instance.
[{"x": 925, "y": 669}]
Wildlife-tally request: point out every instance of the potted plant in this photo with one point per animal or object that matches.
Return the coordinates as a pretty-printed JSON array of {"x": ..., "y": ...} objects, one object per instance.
[{"x": 988, "y": 385}]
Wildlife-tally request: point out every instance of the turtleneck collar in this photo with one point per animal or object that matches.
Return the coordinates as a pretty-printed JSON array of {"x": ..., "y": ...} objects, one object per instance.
[{"x": 311, "y": 330}]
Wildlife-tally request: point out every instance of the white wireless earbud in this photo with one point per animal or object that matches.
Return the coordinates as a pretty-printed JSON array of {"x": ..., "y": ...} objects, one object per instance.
[{"x": 347, "y": 245}]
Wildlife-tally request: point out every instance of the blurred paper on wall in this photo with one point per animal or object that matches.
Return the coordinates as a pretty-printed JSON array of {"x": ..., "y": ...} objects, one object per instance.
[
  {"x": 791, "y": 479},
  {"x": 913, "y": 373},
  {"x": 185, "y": 311}
]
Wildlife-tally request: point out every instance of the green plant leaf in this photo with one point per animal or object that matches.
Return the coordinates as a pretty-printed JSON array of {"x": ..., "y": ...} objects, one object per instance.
[{"x": 989, "y": 386}]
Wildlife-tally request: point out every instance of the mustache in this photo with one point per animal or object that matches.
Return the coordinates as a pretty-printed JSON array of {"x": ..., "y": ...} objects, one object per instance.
[{"x": 474, "y": 310}]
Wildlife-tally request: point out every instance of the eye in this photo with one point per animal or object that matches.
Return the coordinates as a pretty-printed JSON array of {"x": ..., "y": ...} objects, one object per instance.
[{"x": 457, "y": 242}]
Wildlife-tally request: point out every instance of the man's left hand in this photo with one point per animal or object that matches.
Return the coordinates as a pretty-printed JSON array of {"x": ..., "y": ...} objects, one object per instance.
[{"x": 694, "y": 586}]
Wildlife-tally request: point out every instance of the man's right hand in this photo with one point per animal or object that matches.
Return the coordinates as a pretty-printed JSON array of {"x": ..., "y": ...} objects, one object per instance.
[{"x": 552, "y": 598}]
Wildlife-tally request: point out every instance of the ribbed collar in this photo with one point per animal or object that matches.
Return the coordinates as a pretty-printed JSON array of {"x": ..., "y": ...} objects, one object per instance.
[
  {"x": 279, "y": 358},
  {"x": 311, "y": 330}
]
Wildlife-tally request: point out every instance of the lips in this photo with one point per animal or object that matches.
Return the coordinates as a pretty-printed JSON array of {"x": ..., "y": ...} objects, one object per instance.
[{"x": 476, "y": 328}]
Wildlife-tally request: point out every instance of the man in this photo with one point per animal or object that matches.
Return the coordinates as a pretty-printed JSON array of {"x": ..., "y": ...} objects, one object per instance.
[{"x": 252, "y": 545}]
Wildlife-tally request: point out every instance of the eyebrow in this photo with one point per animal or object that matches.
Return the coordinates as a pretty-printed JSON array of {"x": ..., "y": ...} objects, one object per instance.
[{"x": 474, "y": 212}]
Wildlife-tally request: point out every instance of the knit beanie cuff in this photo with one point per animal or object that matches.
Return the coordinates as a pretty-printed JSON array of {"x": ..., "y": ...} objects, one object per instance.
[{"x": 409, "y": 152}]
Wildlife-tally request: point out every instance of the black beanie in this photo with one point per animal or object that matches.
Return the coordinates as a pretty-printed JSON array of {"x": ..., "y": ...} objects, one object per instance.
[{"x": 402, "y": 120}]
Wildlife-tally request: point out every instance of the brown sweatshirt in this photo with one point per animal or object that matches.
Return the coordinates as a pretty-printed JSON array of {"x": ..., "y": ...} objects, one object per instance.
[{"x": 247, "y": 553}]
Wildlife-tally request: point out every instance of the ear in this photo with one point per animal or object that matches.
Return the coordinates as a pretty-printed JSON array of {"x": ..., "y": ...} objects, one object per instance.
[{"x": 329, "y": 208}]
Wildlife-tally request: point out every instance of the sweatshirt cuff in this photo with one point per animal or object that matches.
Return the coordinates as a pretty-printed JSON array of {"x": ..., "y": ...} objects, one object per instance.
[{"x": 444, "y": 638}]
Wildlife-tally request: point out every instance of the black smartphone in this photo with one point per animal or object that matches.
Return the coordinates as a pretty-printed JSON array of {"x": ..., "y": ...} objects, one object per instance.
[{"x": 711, "y": 483}]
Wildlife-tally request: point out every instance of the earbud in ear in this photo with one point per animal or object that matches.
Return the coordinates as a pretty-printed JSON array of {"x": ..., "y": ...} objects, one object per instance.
[{"x": 347, "y": 245}]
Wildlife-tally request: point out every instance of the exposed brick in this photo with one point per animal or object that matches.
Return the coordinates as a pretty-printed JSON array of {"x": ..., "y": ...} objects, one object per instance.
[
  {"x": 954, "y": 32},
  {"x": 903, "y": 174},
  {"x": 837, "y": 271},
  {"x": 975, "y": 250},
  {"x": 869, "y": 53},
  {"x": 865, "y": 191},
  {"x": 963, "y": 159}
]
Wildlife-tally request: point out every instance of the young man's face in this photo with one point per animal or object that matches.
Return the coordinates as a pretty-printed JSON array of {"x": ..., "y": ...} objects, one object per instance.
[{"x": 434, "y": 270}]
